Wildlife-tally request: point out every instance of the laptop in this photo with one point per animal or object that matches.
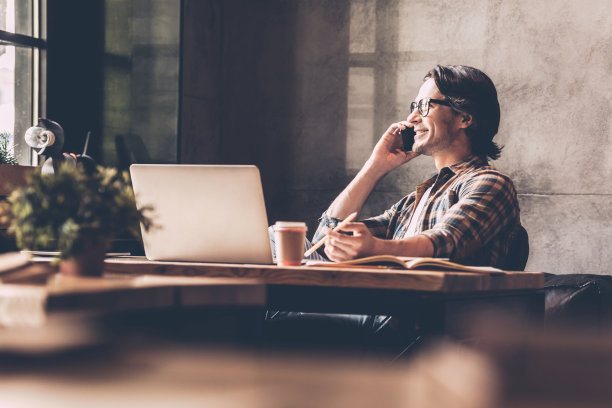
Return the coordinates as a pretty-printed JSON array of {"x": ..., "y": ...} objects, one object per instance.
[{"x": 203, "y": 213}]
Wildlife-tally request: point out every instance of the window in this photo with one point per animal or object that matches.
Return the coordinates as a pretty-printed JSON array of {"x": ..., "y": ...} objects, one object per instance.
[
  {"x": 141, "y": 82},
  {"x": 22, "y": 53}
]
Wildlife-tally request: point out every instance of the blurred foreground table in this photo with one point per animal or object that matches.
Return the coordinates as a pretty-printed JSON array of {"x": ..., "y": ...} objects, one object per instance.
[
  {"x": 513, "y": 367},
  {"x": 187, "y": 376}
]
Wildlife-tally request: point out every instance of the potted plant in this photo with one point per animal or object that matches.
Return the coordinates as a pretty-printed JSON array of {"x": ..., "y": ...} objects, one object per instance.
[
  {"x": 12, "y": 175},
  {"x": 77, "y": 214},
  {"x": 6, "y": 155}
]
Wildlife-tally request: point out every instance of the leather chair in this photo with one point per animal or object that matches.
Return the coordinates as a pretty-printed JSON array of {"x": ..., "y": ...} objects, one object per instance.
[
  {"x": 578, "y": 300},
  {"x": 574, "y": 300},
  {"x": 518, "y": 252}
]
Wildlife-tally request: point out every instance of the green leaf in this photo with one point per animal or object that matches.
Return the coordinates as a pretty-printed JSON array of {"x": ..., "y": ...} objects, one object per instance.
[{"x": 58, "y": 211}]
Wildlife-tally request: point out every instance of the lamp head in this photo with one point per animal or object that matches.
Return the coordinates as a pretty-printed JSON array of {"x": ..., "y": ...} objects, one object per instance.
[{"x": 46, "y": 138}]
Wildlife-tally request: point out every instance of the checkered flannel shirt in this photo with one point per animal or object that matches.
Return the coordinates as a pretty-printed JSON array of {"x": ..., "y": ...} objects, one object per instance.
[{"x": 468, "y": 217}]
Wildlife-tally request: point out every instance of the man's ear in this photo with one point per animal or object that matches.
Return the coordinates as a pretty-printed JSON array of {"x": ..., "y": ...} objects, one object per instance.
[{"x": 466, "y": 120}]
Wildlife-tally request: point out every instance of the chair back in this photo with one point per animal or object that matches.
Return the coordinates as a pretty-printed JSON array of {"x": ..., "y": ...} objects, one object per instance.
[{"x": 518, "y": 250}]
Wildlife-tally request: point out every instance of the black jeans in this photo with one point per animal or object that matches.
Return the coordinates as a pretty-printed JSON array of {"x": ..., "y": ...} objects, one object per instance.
[{"x": 364, "y": 333}]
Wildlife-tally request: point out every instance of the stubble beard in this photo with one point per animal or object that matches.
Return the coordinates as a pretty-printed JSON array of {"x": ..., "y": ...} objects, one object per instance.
[{"x": 431, "y": 147}]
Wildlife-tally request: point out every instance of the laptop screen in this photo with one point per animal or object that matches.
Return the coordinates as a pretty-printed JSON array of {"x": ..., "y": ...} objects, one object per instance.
[{"x": 203, "y": 213}]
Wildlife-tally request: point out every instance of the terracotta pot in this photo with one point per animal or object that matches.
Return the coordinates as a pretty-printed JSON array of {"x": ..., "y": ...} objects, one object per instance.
[
  {"x": 89, "y": 262},
  {"x": 12, "y": 176}
]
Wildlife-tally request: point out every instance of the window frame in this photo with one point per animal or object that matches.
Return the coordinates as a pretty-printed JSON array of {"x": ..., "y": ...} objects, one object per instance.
[{"x": 38, "y": 44}]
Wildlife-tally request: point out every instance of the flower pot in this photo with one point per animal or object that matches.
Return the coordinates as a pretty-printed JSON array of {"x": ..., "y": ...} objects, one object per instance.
[
  {"x": 12, "y": 176},
  {"x": 89, "y": 261}
]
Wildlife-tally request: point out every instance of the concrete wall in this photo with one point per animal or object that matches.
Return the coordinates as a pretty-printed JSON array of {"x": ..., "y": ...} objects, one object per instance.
[{"x": 305, "y": 88}]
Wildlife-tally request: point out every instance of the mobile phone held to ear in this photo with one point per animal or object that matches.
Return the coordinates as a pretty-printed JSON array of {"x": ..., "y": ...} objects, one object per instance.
[{"x": 407, "y": 138}]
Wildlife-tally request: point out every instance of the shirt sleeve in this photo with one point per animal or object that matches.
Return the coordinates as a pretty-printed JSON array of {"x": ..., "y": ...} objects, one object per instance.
[
  {"x": 383, "y": 226},
  {"x": 487, "y": 204},
  {"x": 324, "y": 221},
  {"x": 379, "y": 226}
]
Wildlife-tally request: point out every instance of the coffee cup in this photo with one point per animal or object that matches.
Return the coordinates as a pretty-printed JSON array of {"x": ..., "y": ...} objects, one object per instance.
[{"x": 289, "y": 240}]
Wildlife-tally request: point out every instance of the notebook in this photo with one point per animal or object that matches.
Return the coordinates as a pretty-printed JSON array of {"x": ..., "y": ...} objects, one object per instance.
[{"x": 203, "y": 213}]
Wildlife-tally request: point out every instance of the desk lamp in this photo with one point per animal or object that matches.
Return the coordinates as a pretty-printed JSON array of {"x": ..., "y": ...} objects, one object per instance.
[{"x": 47, "y": 138}]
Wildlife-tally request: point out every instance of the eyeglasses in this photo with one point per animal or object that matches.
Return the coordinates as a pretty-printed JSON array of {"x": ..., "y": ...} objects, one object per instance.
[{"x": 423, "y": 105}]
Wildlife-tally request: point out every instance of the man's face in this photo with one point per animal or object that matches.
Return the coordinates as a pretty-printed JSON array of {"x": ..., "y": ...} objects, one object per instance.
[{"x": 436, "y": 132}]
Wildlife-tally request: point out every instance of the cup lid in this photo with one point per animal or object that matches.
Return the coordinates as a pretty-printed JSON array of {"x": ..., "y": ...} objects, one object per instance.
[{"x": 289, "y": 224}]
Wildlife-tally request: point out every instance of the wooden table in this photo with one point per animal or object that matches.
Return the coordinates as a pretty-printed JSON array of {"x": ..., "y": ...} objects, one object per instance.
[
  {"x": 353, "y": 277},
  {"x": 443, "y": 300},
  {"x": 124, "y": 292},
  {"x": 68, "y": 312}
]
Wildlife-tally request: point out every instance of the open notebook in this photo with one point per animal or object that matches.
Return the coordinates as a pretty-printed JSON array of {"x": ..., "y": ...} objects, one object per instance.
[
  {"x": 203, "y": 213},
  {"x": 405, "y": 262}
]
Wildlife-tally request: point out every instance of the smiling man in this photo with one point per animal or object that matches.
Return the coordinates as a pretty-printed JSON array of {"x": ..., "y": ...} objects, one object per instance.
[{"x": 467, "y": 211}]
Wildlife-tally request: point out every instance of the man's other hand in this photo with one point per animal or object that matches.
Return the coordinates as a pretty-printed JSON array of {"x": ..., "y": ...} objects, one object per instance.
[{"x": 342, "y": 247}]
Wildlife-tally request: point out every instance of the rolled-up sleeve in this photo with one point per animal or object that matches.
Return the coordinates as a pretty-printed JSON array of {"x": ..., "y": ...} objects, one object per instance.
[
  {"x": 378, "y": 225},
  {"x": 382, "y": 226},
  {"x": 487, "y": 204},
  {"x": 324, "y": 222}
]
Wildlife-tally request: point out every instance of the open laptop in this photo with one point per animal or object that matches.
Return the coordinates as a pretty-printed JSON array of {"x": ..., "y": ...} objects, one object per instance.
[{"x": 203, "y": 213}]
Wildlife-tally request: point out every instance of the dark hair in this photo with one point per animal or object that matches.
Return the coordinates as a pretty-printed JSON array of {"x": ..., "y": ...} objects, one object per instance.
[{"x": 471, "y": 91}]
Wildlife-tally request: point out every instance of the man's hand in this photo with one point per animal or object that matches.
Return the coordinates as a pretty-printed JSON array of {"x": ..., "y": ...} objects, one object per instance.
[
  {"x": 388, "y": 153},
  {"x": 386, "y": 156},
  {"x": 341, "y": 247}
]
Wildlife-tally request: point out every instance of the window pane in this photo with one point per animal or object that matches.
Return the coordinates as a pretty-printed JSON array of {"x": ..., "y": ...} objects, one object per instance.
[
  {"x": 360, "y": 136},
  {"x": 16, "y": 97},
  {"x": 16, "y": 16},
  {"x": 363, "y": 26},
  {"x": 141, "y": 70}
]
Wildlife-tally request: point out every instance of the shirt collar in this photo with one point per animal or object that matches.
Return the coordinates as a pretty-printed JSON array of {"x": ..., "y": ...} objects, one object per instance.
[
  {"x": 463, "y": 166},
  {"x": 466, "y": 165}
]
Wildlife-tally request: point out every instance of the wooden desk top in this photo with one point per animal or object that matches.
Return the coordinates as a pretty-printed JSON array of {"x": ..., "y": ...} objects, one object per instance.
[
  {"x": 421, "y": 280},
  {"x": 139, "y": 284}
]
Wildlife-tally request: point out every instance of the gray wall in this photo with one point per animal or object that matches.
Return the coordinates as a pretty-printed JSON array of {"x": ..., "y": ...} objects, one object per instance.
[{"x": 304, "y": 89}]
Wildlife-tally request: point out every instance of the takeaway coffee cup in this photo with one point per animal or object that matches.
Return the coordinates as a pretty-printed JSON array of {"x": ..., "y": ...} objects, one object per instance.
[{"x": 289, "y": 242}]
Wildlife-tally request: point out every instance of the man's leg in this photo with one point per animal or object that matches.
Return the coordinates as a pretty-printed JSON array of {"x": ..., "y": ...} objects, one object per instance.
[{"x": 367, "y": 334}]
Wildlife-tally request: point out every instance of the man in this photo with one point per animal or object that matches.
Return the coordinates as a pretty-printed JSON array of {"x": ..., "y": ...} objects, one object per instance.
[{"x": 466, "y": 212}]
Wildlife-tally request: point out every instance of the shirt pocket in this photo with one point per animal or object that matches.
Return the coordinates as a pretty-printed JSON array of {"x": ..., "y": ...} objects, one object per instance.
[{"x": 448, "y": 199}]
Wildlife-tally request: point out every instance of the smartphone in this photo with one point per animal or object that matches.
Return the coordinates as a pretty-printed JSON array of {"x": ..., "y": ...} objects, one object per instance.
[{"x": 407, "y": 138}]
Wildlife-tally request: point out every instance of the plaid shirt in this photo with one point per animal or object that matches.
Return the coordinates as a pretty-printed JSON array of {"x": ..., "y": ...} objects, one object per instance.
[{"x": 468, "y": 217}]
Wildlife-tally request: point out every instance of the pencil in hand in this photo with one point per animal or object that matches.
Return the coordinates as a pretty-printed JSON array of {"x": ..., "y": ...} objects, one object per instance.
[{"x": 316, "y": 246}]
